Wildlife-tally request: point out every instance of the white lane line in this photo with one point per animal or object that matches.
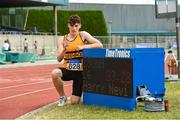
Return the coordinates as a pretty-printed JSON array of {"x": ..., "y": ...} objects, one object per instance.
[
  {"x": 6, "y": 98},
  {"x": 23, "y": 85},
  {"x": 9, "y": 80},
  {"x": 18, "y": 95},
  {"x": 2, "y": 80},
  {"x": 15, "y": 71},
  {"x": 7, "y": 90}
]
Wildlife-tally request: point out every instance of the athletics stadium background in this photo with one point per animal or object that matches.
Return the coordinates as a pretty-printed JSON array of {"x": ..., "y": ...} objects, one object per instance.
[{"x": 124, "y": 30}]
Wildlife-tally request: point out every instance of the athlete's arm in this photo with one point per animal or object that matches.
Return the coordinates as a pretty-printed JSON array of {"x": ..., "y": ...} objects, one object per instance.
[
  {"x": 61, "y": 49},
  {"x": 92, "y": 42}
]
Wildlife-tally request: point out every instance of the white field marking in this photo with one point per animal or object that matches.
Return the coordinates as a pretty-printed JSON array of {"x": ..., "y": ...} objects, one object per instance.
[
  {"x": 36, "y": 91},
  {"x": 28, "y": 80},
  {"x": 21, "y": 70},
  {"x": 4, "y": 81},
  {"x": 38, "y": 79},
  {"x": 24, "y": 68},
  {"x": 23, "y": 85},
  {"x": 6, "y": 98},
  {"x": 24, "y": 90}
]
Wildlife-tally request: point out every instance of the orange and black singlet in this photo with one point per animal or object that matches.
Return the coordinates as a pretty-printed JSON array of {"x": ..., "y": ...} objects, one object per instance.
[{"x": 73, "y": 60}]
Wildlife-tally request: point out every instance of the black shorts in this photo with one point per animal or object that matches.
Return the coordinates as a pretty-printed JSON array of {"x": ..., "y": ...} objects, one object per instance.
[{"x": 77, "y": 77}]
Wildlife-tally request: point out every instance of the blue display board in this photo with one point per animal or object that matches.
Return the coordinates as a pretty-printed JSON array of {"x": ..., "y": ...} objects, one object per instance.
[{"x": 111, "y": 76}]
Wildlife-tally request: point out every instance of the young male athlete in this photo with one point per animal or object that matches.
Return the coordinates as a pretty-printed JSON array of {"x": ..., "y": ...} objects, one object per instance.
[{"x": 70, "y": 50}]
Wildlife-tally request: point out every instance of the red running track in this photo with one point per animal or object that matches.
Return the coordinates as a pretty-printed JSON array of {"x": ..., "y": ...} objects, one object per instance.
[{"x": 24, "y": 89}]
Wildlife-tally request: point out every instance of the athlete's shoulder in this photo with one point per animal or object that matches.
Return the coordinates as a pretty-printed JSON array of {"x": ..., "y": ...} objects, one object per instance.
[{"x": 84, "y": 34}]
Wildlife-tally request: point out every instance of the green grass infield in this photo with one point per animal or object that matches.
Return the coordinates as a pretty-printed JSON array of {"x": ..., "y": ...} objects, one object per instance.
[{"x": 53, "y": 112}]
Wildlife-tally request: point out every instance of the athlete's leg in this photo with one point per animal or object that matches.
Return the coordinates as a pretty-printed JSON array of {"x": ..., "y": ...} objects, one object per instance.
[
  {"x": 75, "y": 99},
  {"x": 58, "y": 83},
  {"x": 77, "y": 88}
]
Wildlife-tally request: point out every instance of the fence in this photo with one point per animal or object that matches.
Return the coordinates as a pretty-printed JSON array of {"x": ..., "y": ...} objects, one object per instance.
[
  {"x": 48, "y": 42},
  {"x": 44, "y": 42},
  {"x": 138, "y": 41}
]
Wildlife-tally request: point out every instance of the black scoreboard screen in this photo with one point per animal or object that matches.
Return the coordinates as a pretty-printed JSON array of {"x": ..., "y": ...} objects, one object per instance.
[{"x": 108, "y": 76}]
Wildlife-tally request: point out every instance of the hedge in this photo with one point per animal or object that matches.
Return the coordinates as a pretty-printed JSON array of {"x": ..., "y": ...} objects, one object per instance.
[
  {"x": 42, "y": 19},
  {"x": 92, "y": 21}
]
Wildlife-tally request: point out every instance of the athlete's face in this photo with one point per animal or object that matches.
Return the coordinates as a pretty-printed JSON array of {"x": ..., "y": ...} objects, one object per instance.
[{"x": 74, "y": 28}]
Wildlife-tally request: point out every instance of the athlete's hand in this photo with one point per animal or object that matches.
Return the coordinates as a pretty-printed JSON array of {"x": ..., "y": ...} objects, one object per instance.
[
  {"x": 79, "y": 47},
  {"x": 65, "y": 43}
]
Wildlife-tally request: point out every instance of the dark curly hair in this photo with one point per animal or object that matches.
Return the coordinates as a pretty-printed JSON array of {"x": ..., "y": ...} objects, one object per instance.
[{"x": 73, "y": 19}]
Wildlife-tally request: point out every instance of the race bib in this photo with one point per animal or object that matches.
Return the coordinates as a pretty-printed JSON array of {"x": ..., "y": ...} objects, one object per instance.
[{"x": 74, "y": 65}]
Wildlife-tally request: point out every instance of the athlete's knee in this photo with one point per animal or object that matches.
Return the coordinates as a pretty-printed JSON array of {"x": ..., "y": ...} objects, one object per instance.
[{"x": 56, "y": 73}]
